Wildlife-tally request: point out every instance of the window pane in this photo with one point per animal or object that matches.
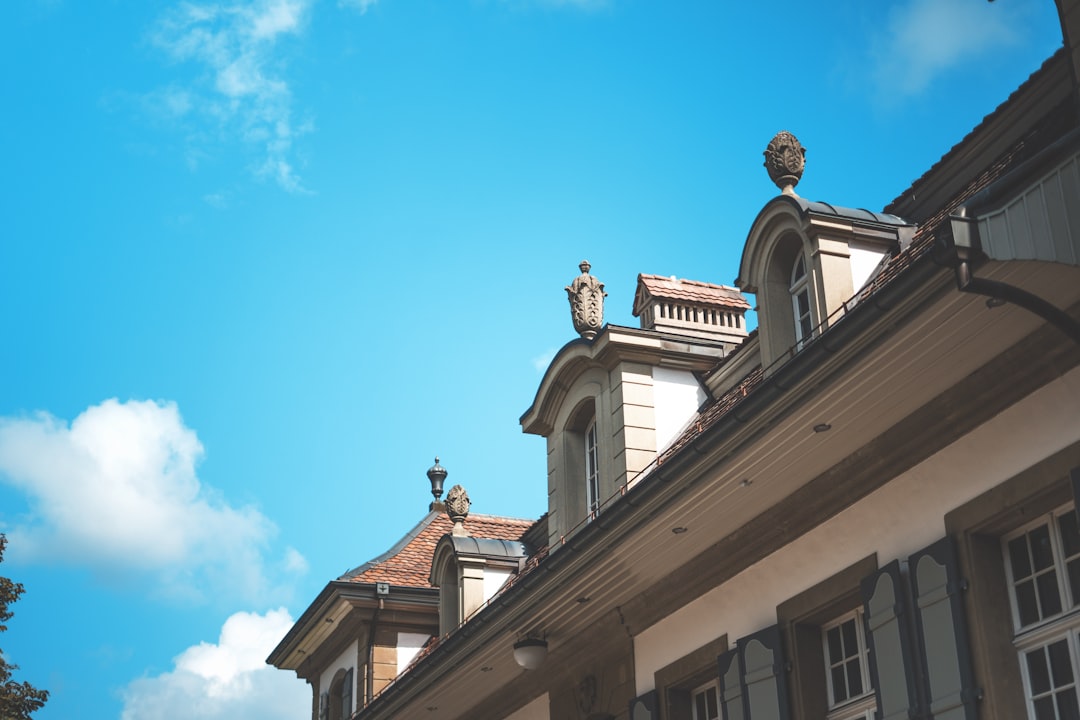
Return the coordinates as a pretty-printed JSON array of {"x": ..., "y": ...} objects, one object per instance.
[
  {"x": 710, "y": 697},
  {"x": 1049, "y": 595},
  {"x": 1042, "y": 554},
  {"x": 840, "y": 693},
  {"x": 1060, "y": 666},
  {"x": 1067, "y": 707},
  {"x": 699, "y": 709},
  {"x": 1044, "y": 708},
  {"x": 1070, "y": 534},
  {"x": 1038, "y": 674},
  {"x": 1018, "y": 556},
  {"x": 803, "y": 299},
  {"x": 836, "y": 653},
  {"x": 854, "y": 677},
  {"x": 851, "y": 644},
  {"x": 1073, "y": 569},
  {"x": 1026, "y": 603}
]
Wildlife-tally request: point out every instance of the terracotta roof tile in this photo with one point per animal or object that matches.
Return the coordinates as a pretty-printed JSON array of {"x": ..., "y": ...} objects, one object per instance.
[
  {"x": 691, "y": 291},
  {"x": 408, "y": 563}
]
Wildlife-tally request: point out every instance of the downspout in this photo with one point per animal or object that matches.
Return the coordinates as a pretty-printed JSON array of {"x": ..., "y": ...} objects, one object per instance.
[
  {"x": 966, "y": 250},
  {"x": 369, "y": 690}
]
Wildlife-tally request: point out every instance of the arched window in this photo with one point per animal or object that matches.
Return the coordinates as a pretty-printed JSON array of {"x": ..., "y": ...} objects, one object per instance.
[
  {"x": 592, "y": 470},
  {"x": 800, "y": 301}
]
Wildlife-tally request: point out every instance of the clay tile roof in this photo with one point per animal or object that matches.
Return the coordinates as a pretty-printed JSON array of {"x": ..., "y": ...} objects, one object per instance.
[
  {"x": 690, "y": 291},
  {"x": 408, "y": 563}
]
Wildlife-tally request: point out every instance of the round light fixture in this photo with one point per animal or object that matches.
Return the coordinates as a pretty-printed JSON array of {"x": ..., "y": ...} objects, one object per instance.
[{"x": 530, "y": 653}]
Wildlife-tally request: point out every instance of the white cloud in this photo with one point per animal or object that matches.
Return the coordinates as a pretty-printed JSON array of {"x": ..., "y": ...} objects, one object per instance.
[
  {"x": 241, "y": 89},
  {"x": 229, "y": 679},
  {"x": 925, "y": 38},
  {"x": 117, "y": 491}
]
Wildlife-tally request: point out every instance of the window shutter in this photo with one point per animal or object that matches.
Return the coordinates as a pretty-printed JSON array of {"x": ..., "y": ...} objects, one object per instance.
[
  {"x": 888, "y": 637},
  {"x": 731, "y": 689},
  {"x": 761, "y": 658},
  {"x": 346, "y": 695},
  {"x": 942, "y": 632},
  {"x": 645, "y": 707}
]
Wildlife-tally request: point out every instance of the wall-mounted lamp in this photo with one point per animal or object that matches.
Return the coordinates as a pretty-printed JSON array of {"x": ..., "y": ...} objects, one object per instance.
[{"x": 530, "y": 653}]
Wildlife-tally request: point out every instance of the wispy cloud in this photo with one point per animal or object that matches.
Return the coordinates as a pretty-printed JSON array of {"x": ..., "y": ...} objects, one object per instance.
[
  {"x": 361, "y": 5},
  {"x": 540, "y": 362},
  {"x": 117, "y": 491},
  {"x": 925, "y": 38},
  {"x": 241, "y": 86},
  {"x": 229, "y": 679}
]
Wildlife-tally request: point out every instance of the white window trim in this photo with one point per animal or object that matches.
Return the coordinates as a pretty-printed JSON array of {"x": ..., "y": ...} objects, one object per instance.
[
  {"x": 713, "y": 685},
  {"x": 1064, "y": 625},
  {"x": 858, "y": 706},
  {"x": 592, "y": 470},
  {"x": 799, "y": 286}
]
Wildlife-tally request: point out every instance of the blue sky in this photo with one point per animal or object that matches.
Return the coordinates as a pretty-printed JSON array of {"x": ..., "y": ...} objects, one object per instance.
[{"x": 261, "y": 261}]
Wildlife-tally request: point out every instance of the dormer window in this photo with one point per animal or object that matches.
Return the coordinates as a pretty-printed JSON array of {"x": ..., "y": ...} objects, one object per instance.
[
  {"x": 592, "y": 470},
  {"x": 800, "y": 301}
]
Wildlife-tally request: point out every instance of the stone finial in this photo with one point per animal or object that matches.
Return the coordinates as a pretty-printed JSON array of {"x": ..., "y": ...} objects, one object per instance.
[
  {"x": 785, "y": 158},
  {"x": 457, "y": 508},
  {"x": 586, "y": 296}
]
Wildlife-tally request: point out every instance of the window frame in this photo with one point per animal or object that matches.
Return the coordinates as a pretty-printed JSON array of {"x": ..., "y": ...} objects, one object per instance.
[
  {"x": 799, "y": 289},
  {"x": 592, "y": 469},
  {"x": 676, "y": 682},
  {"x": 803, "y": 619},
  {"x": 853, "y": 706}
]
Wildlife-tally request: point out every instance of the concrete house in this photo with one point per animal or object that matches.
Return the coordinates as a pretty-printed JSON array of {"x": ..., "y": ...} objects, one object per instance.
[{"x": 865, "y": 508}]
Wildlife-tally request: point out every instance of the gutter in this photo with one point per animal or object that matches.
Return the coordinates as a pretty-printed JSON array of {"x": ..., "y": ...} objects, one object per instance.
[{"x": 961, "y": 247}]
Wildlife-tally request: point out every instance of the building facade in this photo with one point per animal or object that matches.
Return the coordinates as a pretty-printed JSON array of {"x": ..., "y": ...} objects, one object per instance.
[{"x": 864, "y": 508}]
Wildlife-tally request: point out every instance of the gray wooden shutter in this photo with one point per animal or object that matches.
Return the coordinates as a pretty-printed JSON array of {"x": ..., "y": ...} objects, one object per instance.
[
  {"x": 346, "y": 695},
  {"x": 764, "y": 678},
  {"x": 889, "y": 640},
  {"x": 645, "y": 707},
  {"x": 941, "y": 628},
  {"x": 732, "y": 697}
]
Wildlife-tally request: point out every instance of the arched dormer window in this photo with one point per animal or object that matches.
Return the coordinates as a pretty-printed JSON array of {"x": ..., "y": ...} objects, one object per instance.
[
  {"x": 800, "y": 301},
  {"x": 336, "y": 704},
  {"x": 592, "y": 470}
]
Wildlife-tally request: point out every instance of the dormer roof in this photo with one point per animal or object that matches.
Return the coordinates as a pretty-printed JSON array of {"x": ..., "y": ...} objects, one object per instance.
[{"x": 408, "y": 562}]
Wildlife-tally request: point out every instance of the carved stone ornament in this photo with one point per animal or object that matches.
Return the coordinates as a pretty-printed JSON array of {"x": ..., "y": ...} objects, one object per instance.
[
  {"x": 785, "y": 158},
  {"x": 457, "y": 508},
  {"x": 586, "y": 296}
]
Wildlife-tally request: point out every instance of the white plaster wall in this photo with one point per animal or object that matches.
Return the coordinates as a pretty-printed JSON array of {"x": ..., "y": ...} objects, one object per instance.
[
  {"x": 493, "y": 581},
  {"x": 408, "y": 644},
  {"x": 864, "y": 258},
  {"x": 344, "y": 661},
  {"x": 538, "y": 709},
  {"x": 896, "y": 520},
  {"x": 677, "y": 396}
]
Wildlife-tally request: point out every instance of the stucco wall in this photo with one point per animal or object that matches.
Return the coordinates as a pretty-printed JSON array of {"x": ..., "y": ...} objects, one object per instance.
[
  {"x": 536, "y": 710},
  {"x": 678, "y": 395},
  {"x": 898, "y": 519}
]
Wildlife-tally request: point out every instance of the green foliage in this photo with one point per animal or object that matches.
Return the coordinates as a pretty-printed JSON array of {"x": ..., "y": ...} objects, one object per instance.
[{"x": 17, "y": 700}]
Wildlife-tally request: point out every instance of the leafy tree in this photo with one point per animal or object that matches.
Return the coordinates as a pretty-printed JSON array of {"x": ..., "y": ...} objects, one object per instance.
[{"x": 17, "y": 700}]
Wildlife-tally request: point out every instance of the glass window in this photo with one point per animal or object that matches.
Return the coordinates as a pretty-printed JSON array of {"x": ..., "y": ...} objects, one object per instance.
[
  {"x": 1042, "y": 562},
  {"x": 705, "y": 702},
  {"x": 846, "y": 670},
  {"x": 592, "y": 470},
  {"x": 800, "y": 301}
]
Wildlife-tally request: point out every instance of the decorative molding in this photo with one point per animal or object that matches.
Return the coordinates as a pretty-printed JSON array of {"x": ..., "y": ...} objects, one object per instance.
[
  {"x": 586, "y": 295},
  {"x": 457, "y": 509},
  {"x": 785, "y": 159}
]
